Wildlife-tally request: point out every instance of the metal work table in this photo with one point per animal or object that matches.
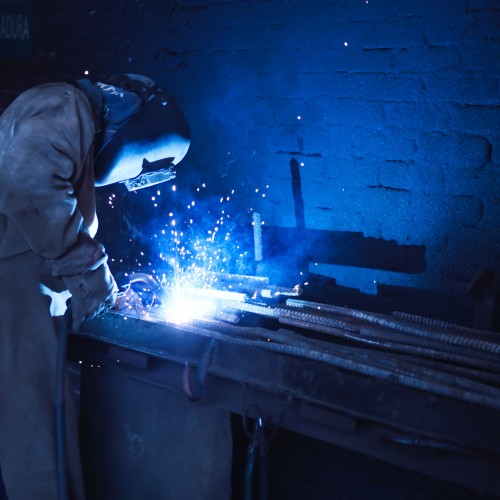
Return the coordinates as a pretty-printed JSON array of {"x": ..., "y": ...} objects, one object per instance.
[{"x": 430, "y": 403}]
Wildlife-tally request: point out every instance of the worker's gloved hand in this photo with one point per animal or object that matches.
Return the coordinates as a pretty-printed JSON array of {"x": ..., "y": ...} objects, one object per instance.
[{"x": 92, "y": 293}]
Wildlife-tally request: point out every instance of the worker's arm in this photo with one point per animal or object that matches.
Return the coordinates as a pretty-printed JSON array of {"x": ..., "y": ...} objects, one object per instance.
[{"x": 47, "y": 155}]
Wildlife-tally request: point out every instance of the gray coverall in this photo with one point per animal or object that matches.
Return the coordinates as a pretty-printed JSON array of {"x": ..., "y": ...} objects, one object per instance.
[{"x": 47, "y": 212}]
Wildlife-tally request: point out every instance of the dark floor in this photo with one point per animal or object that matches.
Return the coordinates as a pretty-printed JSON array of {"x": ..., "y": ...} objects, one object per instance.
[{"x": 302, "y": 468}]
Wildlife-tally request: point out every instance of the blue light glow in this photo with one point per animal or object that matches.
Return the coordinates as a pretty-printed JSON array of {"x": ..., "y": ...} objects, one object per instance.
[{"x": 193, "y": 243}]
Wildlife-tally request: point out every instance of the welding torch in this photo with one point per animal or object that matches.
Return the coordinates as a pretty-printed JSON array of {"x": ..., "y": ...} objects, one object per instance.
[{"x": 125, "y": 283}]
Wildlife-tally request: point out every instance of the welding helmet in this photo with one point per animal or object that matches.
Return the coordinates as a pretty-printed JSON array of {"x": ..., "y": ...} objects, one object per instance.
[{"x": 145, "y": 133}]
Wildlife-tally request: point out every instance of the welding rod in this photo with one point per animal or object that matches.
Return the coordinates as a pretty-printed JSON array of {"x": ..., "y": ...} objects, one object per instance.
[
  {"x": 241, "y": 279},
  {"x": 215, "y": 294},
  {"x": 271, "y": 292},
  {"x": 257, "y": 236}
]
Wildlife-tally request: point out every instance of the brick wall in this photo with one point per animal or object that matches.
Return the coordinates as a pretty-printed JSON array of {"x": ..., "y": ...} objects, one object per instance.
[{"x": 392, "y": 110}]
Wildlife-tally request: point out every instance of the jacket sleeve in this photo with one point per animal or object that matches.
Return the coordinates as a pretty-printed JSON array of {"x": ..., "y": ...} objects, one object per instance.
[{"x": 42, "y": 170}]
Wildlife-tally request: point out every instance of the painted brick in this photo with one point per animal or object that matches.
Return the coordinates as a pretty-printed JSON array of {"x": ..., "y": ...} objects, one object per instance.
[
  {"x": 261, "y": 13},
  {"x": 300, "y": 112},
  {"x": 427, "y": 8},
  {"x": 423, "y": 59},
  {"x": 349, "y": 140},
  {"x": 495, "y": 152},
  {"x": 311, "y": 85},
  {"x": 374, "y": 11},
  {"x": 385, "y": 87},
  {"x": 419, "y": 178},
  {"x": 450, "y": 149},
  {"x": 464, "y": 210},
  {"x": 463, "y": 88},
  {"x": 242, "y": 38},
  {"x": 340, "y": 175},
  {"x": 353, "y": 111},
  {"x": 481, "y": 29},
  {"x": 258, "y": 110},
  {"x": 330, "y": 114},
  {"x": 482, "y": 184},
  {"x": 460, "y": 259},
  {"x": 417, "y": 116},
  {"x": 445, "y": 31},
  {"x": 390, "y": 214},
  {"x": 258, "y": 13},
  {"x": 277, "y": 207},
  {"x": 388, "y": 143},
  {"x": 274, "y": 138},
  {"x": 393, "y": 32},
  {"x": 481, "y": 58},
  {"x": 489, "y": 221},
  {"x": 250, "y": 62},
  {"x": 474, "y": 119},
  {"x": 488, "y": 5},
  {"x": 340, "y": 58}
]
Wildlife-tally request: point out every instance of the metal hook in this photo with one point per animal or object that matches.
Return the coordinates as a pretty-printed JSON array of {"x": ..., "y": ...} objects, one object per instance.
[{"x": 196, "y": 391}]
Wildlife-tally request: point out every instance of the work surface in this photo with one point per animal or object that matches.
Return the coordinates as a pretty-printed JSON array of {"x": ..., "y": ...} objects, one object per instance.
[{"x": 409, "y": 390}]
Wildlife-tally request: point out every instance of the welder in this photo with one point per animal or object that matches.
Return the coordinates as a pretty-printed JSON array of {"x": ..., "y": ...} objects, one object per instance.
[{"x": 57, "y": 142}]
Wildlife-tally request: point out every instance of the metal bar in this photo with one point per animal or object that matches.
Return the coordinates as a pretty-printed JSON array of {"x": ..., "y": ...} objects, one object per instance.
[{"x": 388, "y": 322}]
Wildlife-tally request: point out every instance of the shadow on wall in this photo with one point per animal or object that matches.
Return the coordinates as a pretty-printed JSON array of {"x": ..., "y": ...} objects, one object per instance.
[
  {"x": 338, "y": 247},
  {"x": 344, "y": 267}
]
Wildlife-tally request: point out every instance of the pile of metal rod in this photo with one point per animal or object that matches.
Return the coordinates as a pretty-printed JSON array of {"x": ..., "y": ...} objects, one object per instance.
[
  {"x": 414, "y": 351},
  {"x": 433, "y": 356}
]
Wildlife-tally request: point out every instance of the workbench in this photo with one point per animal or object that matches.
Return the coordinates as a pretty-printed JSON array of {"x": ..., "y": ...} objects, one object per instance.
[{"x": 407, "y": 390}]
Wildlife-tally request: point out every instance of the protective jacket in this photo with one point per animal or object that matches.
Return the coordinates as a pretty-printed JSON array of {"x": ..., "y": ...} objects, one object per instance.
[
  {"x": 47, "y": 180},
  {"x": 47, "y": 224}
]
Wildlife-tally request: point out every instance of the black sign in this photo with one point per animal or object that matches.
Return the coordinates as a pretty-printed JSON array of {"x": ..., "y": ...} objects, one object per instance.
[{"x": 15, "y": 28}]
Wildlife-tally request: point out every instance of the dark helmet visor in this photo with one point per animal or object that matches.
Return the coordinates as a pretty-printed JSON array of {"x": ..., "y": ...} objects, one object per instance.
[{"x": 159, "y": 131}]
